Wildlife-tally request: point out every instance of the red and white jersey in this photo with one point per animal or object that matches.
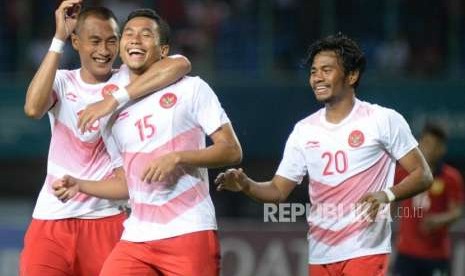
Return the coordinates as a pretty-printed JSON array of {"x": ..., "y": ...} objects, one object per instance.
[
  {"x": 175, "y": 118},
  {"x": 344, "y": 161},
  {"x": 80, "y": 155}
]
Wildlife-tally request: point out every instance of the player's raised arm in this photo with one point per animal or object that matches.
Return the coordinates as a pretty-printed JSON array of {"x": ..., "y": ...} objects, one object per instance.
[
  {"x": 39, "y": 97},
  {"x": 160, "y": 74}
]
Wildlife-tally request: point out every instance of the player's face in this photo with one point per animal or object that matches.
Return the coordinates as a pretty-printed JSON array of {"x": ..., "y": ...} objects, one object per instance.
[
  {"x": 432, "y": 148},
  {"x": 327, "y": 78},
  {"x": 97, "y": 44},
  {"x": 140, "y": 44}
]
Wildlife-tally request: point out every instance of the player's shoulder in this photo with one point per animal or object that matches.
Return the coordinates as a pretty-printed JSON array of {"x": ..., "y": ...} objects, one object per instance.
[
  {"x": 379, "y": 110},
  {"x": 67, "y": 73},
  {"x": 195, "y": 84},
  {"x": 382, "y": 114},
  {"x": 191, "y": 80},
  {"x": 311, "y": 120}
]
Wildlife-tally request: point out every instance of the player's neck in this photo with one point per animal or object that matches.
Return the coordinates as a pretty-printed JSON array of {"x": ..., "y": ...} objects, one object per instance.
[
  {"x": 338, "y": 110},
  {"x": 133, "y": 75},
  {"x": 92, "y": 79}
]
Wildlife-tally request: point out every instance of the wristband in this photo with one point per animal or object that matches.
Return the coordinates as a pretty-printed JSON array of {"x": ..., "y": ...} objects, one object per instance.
[
  {"x": 390, "y": 195},
  {"x": 121, "y": 96},
  {"x": 57, "y": 46}
]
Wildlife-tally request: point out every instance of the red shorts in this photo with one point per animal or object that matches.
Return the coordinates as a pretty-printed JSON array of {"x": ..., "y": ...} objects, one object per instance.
[
  {"x": 373, "y": 265},
  {"x": 69, "y": 246},
  {"x": 193, "y": 254}
]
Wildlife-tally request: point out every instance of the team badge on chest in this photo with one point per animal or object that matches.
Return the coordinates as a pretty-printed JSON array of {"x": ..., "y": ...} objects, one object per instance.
[
  {"x": 356, "y": 138},
  {"x": 109, "y": 89},
  {"x": 168, "y": 100}
]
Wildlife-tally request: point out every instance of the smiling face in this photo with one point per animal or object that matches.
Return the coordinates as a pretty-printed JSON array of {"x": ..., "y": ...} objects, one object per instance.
[
  {"x": 97, "y": 44},
  {"x": 140, "y": 44},
  {"x": 328, "y": 80}
]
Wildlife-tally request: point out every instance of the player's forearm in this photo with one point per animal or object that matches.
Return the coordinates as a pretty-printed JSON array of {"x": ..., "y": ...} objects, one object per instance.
[
  {"x": 39, "y": 92},
  {"x": 264, "y": 192},
  {"x": 418, "y": 181},
  {"x": 220, "y": 154},
  {"x": 114, "y": 188},
  {"x": 160, "y": 74},
  {"x": 449, "y": 217}
]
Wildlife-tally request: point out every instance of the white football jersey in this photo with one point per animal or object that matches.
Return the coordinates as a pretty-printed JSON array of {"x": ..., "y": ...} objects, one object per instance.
[
  {"x": 344, "y": 161},
  {"x": 175, "y": 118},
  {"x": 71, "y": 152}
]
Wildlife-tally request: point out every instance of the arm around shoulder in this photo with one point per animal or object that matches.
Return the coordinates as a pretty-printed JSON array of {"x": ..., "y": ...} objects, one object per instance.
[{"x": 160, "y": 74}]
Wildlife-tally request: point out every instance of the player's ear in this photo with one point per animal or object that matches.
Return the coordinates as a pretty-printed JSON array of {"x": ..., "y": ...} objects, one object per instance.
[
  {"x": 165, "y": 50},
  {"x": 353, "y": 77},
  {"x": 75, "y": 41}
]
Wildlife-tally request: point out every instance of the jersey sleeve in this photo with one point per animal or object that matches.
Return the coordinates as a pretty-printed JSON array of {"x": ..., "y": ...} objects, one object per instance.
[
  {"x": 207, "y": 109},
  {"x": 293, "y": 165},
  {"x": 396, "y": 136}
]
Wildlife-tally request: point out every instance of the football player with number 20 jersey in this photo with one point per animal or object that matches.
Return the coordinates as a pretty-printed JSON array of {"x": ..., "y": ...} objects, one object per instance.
[{"x": 349, "y": 150}]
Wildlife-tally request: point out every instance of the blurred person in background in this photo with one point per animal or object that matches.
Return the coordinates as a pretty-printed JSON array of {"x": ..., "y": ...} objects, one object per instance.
[
  {"x": 74, "y": 238},
  {"x": 172, "y": 226},
  {"x": 349, "y": 150},
  {"x": 423, "y": 243}
]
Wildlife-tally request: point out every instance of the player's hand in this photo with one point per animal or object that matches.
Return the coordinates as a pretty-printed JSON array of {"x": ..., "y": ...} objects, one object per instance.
[
  {"x": 66, "y": 18},
  {"x": 95, "y": 111},
  {"x": 371, "y": 203},
  {"x": 65, "y": 188},
  {"x": 162, "y": 168},
  {"x": 234, "y": 180}
]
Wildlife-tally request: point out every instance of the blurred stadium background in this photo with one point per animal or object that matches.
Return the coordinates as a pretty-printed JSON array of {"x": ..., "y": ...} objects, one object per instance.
[{"x": 250, "y": 52}]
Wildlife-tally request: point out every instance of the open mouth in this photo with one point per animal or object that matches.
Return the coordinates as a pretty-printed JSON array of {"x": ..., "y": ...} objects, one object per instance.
[
  {"x": 101, "y": 60},
  {"x": 321, "y": 89},
  {"x": 136, "y": 53}
]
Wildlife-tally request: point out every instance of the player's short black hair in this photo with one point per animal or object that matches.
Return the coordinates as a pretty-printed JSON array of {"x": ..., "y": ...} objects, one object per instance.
[
  {"x": 163, "y": 27},
  {"x": 436, "y": 129},
  {"x": 346, "y": 49},
  {"x": 99, "y": 12}
]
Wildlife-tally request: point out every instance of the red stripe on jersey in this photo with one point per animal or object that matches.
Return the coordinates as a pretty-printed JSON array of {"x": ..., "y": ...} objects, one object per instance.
[
  {"x": 170, "y": 210},
  {"x": 69, "y": 152},
  {"x": 332, "y": 238},
  {"x": 352, "y": 189},
  {"x": 136, "y": 163}
]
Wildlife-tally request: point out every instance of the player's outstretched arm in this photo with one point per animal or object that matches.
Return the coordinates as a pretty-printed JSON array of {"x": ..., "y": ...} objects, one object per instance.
[
  {"x": 274, "y": 191},
  {"x": 114, "y": 188},
  {"x": 160, "y": 74},
  {"x": 225, "y": 151},
  {"x": 39, "y": 93}
]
